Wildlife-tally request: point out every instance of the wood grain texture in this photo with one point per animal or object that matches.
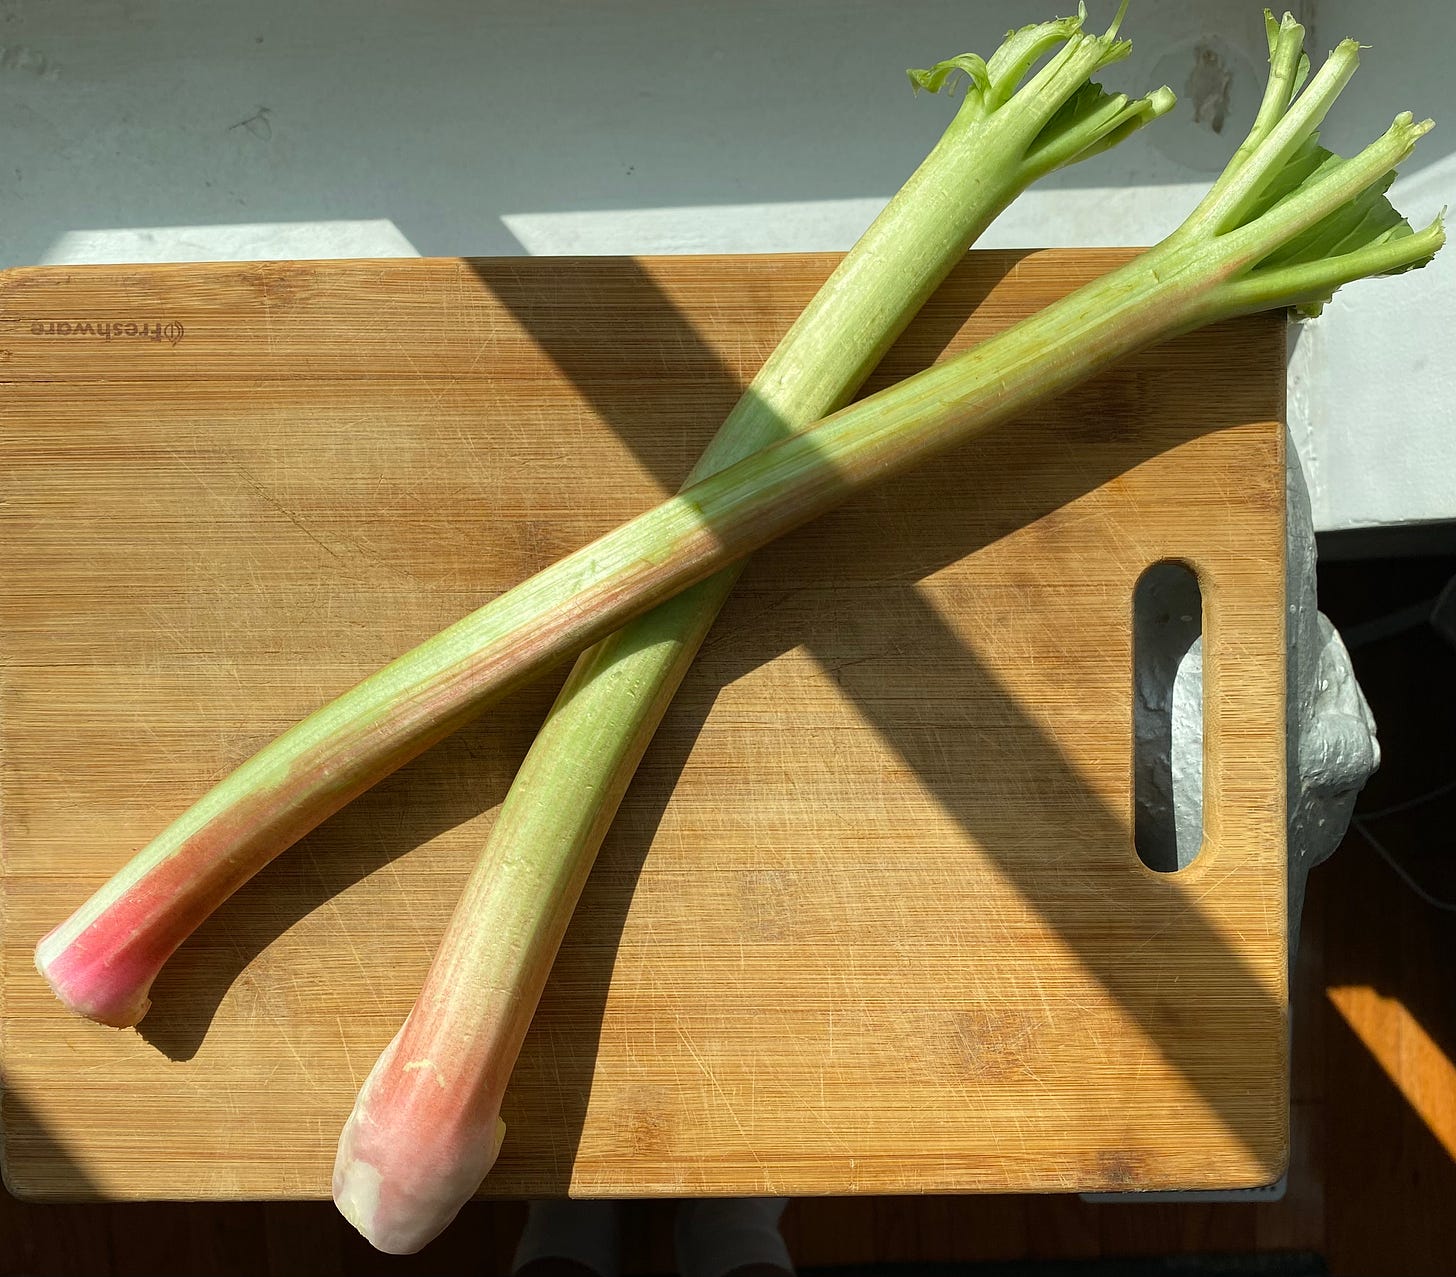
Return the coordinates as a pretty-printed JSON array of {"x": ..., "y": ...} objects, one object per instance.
[{"x": 870, "y": 920}]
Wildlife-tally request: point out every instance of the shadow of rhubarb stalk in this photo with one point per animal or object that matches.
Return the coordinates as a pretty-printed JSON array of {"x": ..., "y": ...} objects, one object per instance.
[{"x": 461, "y": 777}]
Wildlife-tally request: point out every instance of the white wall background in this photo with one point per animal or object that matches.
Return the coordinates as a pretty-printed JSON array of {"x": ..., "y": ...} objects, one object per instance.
[{"x": 151, "y": 130}]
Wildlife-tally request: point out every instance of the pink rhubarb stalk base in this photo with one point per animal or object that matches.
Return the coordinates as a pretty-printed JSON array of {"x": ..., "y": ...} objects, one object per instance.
[{"x": 417, "y": 1144}]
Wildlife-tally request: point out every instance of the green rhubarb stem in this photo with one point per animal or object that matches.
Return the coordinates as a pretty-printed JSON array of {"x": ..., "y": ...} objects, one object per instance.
[
  {"x": 102, "y": 961},
  {"x": 511, "y": 918},
  {"x": 421, "y": 1138}
]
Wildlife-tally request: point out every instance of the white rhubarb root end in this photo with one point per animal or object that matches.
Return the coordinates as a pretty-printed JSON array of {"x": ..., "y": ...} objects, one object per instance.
[{"x": 403, "y": 1194}]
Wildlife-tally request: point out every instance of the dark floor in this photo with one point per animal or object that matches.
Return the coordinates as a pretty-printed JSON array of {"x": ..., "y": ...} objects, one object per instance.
[{"x": 1374, "y": 1086}]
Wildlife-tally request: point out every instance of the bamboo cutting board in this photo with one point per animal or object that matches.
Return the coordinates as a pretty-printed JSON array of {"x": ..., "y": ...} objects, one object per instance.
[{"x": 871, "y": 918}]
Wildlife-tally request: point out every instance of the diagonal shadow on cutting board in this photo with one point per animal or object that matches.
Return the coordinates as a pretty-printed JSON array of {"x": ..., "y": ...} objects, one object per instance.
[{"x": 1036, "y": 763}]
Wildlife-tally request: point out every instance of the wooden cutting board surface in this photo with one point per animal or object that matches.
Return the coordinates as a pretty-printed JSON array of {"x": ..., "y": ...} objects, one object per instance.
[{"x": 871, "y": 918}]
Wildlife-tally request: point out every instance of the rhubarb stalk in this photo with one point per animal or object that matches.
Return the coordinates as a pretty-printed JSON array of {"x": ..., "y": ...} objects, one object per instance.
[
  {"x": 422, "y": 1134},
  {"x": 102, "y": 961}
]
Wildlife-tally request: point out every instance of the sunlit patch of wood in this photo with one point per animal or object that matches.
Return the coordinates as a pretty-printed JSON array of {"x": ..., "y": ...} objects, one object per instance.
[{"x": 1420, "y": 1070}]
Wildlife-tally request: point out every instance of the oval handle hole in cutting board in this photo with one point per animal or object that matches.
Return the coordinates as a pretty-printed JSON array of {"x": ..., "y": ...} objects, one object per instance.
[{"x": 1168, "y": 706}]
